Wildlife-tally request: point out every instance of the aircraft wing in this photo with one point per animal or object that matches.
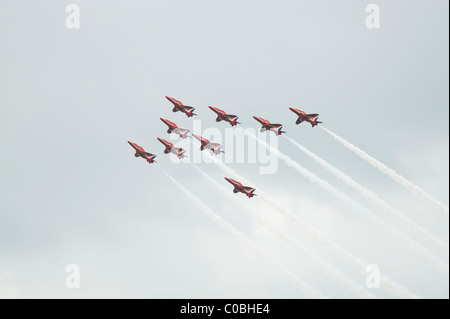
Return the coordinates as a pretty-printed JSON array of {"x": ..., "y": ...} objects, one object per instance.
[
  {"x": 180, "y": 131},
  {"x": 274, "y": 125},
  {"x": 148, "y": 154},
  {"x": 308, "y": 116},
  {"x": 187, "y": 108}
]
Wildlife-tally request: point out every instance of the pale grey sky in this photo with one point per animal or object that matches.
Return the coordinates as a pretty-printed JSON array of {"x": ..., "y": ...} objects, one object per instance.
[{"x": 73, "y": 193}]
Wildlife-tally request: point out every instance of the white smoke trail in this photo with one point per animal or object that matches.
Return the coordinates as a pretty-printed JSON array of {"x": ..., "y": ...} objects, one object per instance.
[
  {"x": 394, "y": 287},
  {"x": 343, "y": 197},
  {"x": 323, "y": 265},
  {"x": 372, "y": 197},
  {"x": 306, "y": 287},
  {"x": 390, "y": 172},
  {"x": 306, "y": 173}
]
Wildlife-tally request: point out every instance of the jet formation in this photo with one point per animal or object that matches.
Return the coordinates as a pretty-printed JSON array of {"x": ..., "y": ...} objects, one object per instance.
[{"x": 216, "y": 148}]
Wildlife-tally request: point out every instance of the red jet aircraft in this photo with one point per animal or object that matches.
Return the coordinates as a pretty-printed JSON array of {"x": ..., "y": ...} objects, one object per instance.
[
  {"x": 171, "y": 149},
  {"x": 178, "y": 106},
  {"x": 222, "y": 116},
  {"x": 302, "y": 116},
  {"x": 238, "y": 187},
  {"x": 140, "y": 152},
  {"x": 175, "y": 129},
  {"x": 267, "y": 126},
  {"x": 206, "y": 144}
]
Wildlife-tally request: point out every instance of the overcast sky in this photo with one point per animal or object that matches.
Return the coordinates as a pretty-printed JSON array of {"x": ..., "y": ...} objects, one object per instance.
[{"x": 73, "y": 193}]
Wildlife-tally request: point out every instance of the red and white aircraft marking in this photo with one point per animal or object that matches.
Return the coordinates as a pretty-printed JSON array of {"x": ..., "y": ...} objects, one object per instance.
[
  {"x": 238, "y": 187},
  {"x": 178, "y": 106},
  {"x": 222, "y": 116},
  {"x": 173, "y": 128},
  {"x": 206, "y": 144},
  {"x": 171, "y": 149},
  {"x": 267, "y": 126},
  {"x": 140, "y": 152},
  {"x": 302, "y": 116}
]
